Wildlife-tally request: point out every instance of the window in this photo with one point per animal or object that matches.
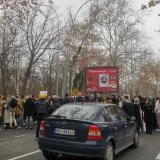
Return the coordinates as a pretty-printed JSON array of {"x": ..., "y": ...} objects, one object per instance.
[
  {"x": 122, "y": 115},
  {"x": 101, "y": 116},
  {"x": 112, "y": 115},
  {"x": 79, "y": 112}
]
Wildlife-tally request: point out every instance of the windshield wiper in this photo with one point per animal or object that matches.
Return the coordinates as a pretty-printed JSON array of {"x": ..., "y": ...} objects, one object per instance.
[{"x": 58, "y": 116}]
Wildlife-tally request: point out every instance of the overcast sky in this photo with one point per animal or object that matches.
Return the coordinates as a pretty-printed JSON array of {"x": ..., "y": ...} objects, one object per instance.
[{"x": 151, "y": 19}]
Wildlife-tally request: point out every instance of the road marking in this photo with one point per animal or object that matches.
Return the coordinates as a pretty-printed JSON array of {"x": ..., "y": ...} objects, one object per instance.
[
  {"x": 2, "y": 139},
  {"x": 21, "y": 135},
  {"x": 158, "y": 157},
  {"x": 25, "y": 155}
]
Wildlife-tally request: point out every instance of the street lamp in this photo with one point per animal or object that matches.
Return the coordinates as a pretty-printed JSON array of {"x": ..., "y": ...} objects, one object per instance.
[
  {"x": 67, "y": 61},
  {"x": 80, "y": 9}
]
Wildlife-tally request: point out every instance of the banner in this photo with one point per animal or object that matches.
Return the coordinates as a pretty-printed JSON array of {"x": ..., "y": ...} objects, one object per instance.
[
  {"x": 102, "y": 79},
  {"x": 44, "y": 92}
]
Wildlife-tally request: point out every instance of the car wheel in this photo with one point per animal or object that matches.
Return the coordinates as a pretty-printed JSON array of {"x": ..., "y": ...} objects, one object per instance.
[
  {"x": 109, "y": 151},
  {"x": 49, "y": 156},
  {"x": 135, "y": 140}
]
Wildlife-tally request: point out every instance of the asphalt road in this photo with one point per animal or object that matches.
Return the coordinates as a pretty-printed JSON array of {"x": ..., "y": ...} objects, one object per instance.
[{"x": 21, "y": 144}]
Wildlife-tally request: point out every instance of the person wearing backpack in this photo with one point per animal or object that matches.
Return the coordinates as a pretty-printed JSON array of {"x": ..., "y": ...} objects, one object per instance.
[
  {"x": 12, "y": 103},
  {"x": 41, "y": 108}
]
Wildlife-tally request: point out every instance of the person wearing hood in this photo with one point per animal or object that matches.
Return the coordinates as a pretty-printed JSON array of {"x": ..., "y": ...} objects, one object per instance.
[
  {"x": 28, "y": 112},
  {"x": 128, "y": 106}
]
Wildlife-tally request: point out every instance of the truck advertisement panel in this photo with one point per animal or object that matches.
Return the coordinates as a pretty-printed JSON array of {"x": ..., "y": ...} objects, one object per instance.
[{"x": 102, "y": 79}]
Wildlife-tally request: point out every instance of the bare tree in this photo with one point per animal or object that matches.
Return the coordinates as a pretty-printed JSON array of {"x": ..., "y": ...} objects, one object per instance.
[
  {"x": 8, "y": 46},
  {"x": 41, "y": 32}
]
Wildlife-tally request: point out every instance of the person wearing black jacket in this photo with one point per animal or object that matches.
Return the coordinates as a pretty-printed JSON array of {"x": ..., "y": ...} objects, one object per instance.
[
  {"x": 128, "y": 106},
  {"x": 55, "y": 103},
  {"x": 28, "y": 112},
  {"x": 41, "y": 108},
  {"x": 148, "y": 115},
  {"x": 66, "y": 99},
  {"x": 137, "y": 114}
]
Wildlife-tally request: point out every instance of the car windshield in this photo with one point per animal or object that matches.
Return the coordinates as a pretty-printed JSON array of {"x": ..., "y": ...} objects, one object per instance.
[{"x": 78, "y": 112}]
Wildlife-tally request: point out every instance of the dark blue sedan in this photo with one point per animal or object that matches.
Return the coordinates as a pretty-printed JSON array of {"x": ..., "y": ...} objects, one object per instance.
[{"x": 88, "y": 130}]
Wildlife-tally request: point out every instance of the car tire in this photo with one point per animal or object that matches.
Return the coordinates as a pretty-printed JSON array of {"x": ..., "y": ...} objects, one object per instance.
[
  {"x": 48, "y": 155},
  {"x": 109, "y": 151},
  {"x": 135, "y": 140}
]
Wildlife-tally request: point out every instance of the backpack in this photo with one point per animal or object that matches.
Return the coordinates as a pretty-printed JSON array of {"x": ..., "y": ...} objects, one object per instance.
[
  {"x": 13, "y": 103},
  {"x": 42, "y": 108}
]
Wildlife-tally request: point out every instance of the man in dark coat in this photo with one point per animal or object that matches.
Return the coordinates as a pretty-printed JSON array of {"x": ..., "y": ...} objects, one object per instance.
[
  {"x": 41, "y": 107},
  {"x": 114, "y": 99},
  {"x": 66, "y": 99},
  {"x": 128, "y": 106},
  {"x": 55, "y": 103},
  {"x": 28, "y": 112},
  {"x": 148, "y": 115},
  {"x": 137, "y": 113}
]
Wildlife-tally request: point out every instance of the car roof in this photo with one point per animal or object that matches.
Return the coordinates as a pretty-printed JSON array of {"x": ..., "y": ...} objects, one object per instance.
[{"x": 94, "y": 104}]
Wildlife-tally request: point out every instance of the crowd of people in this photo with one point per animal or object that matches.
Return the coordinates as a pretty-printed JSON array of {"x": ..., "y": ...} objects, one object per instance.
[{"x": 16, "y": 112}]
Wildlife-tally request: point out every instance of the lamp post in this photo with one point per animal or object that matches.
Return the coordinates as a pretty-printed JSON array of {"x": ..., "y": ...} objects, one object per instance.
[
  {"x": 65, "y": 88},
  {"x": 80, "y": 9}
]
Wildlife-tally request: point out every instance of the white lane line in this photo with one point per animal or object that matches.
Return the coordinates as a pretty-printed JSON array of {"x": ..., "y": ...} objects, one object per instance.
[
  {"x": 158, "y": 157},
  {"x": 21, "y": 135},
  {"x": 2, "y": 139},
  {"x": 25, "y": 155}
]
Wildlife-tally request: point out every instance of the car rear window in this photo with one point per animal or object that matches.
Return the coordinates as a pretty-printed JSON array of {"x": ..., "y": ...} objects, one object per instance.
[{"x": 78, "y": 112}]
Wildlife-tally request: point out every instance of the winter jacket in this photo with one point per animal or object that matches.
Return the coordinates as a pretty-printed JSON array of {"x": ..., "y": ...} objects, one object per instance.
[
  {"x": 10, "y": 109},
  {"x": 0, "y": 107},
  {"x": 157, "y": 107},
  {"x": 6, "y": 112},
  {"x": 128, "y": 107},
  {"x": 66, "y": 100},
  {"x": 137, "y": 114},
  {"x": 53, "y": 106},
  {"x": 41, "y": 116},
  {"x": 29, "y": 107},
  {"x": 148, "y": 113},
  {"x": 18, "y": 110}
]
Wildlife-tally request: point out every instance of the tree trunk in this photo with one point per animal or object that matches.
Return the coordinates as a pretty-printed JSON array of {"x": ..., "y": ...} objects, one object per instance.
[
  {"x": 70, "y": 81},
  {"x": 25, "y": 80}
]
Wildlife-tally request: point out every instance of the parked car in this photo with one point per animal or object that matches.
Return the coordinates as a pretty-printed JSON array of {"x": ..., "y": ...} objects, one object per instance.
[{"x": 88, "y": 130}]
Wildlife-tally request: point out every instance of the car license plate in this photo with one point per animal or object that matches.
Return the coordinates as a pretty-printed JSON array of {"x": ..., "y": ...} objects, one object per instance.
[{"x": 64, "y": 131}]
